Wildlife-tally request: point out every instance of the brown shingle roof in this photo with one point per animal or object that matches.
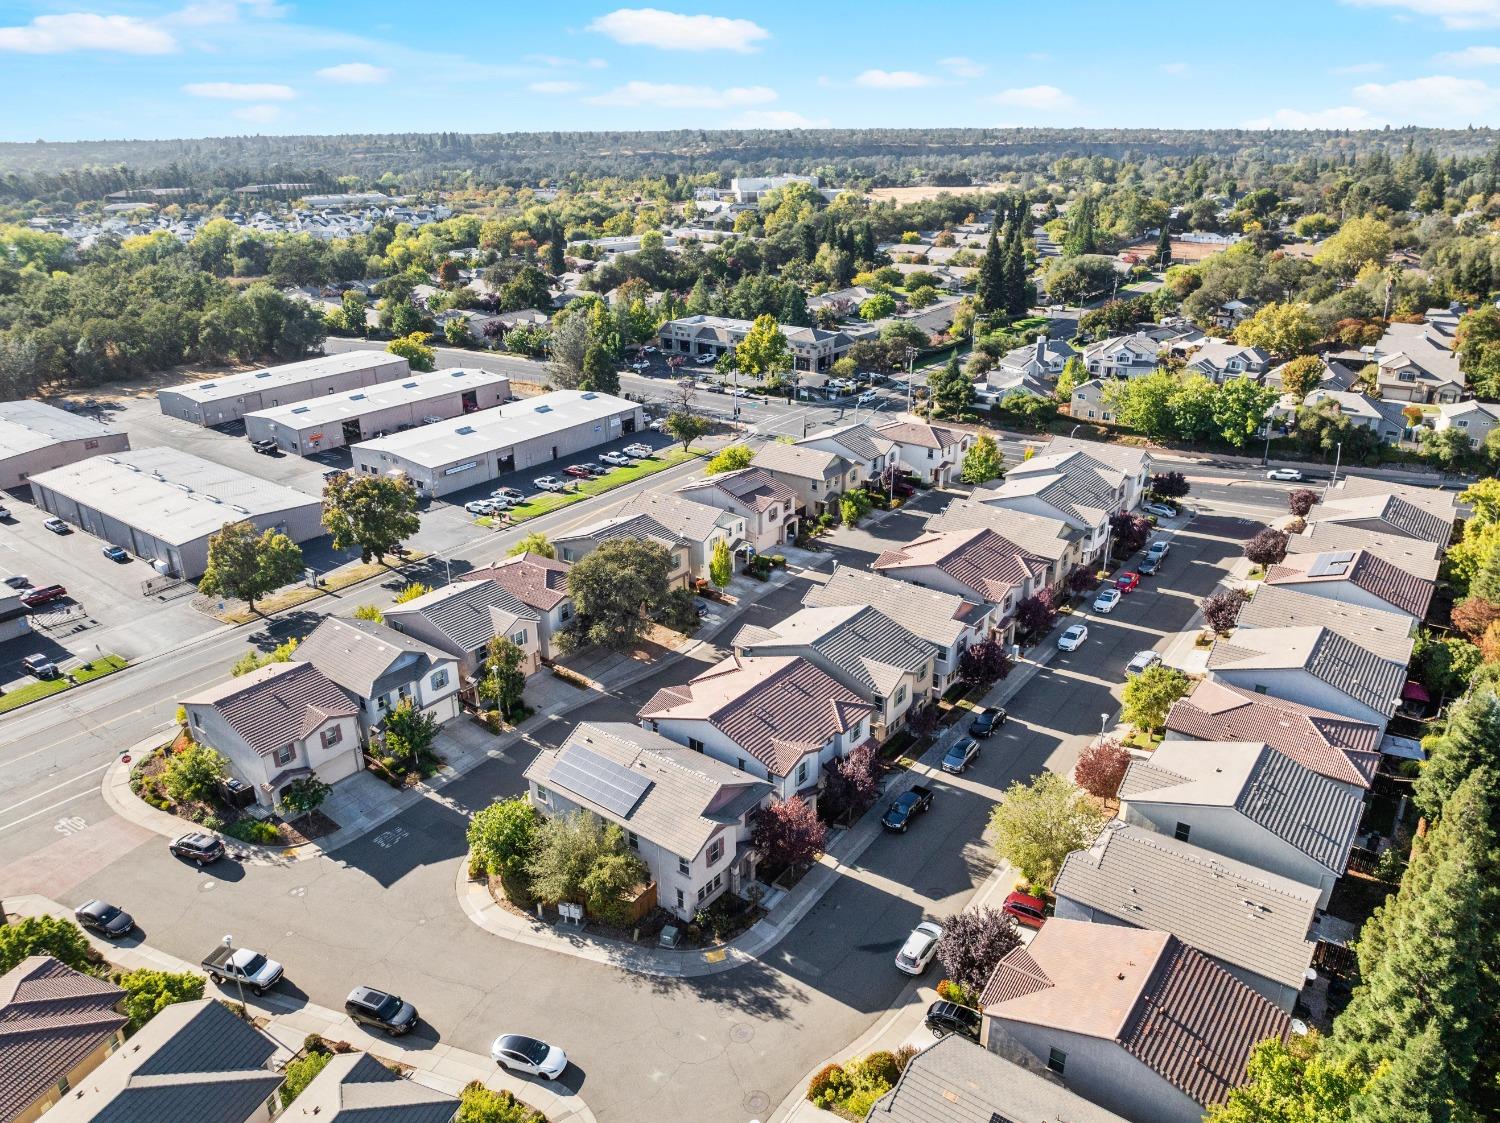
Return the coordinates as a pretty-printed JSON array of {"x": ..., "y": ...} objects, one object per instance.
[
  {"x": 753, "y": 487},
  {"x": 276, "y": 705},
  {"x": 980, "y": 560},
  {"x": 536, "y": 581}
]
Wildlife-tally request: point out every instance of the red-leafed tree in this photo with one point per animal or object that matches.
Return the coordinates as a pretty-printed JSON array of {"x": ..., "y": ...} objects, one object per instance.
[
  {"x": 1036, "y": 614},
  {"x": 1267, "y": 548},
  {"x": 1301, "y": 501},
  {"x": 1222, "y": 609},
  {"x": 984, "y": 663},
  {"x": 972, "y": 943},
  {"x": 1101, "y": 767},
  {"x": 853, "y": 785},
  {"x": 1170, "y": 485},
  {"x": 1081, "y": 579},
  {"x": 788, "y": 833},
  {"x": 1130, "y": 532},
  {"x": 1473, "y": 617}
]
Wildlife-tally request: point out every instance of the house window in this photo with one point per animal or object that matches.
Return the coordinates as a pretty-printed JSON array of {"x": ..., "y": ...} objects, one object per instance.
[
  {"x": 711, "y": 887},
  {"x": 931, "y": 452},
  {"x": 739, "y": 762},
  {"x": 1057, "y": 1060},
  {"x": 815, "y": 485},
  {"x": 196, "y": 723},
  {"x": 632, "y": 840},
  {"x": 681, "y": 900},
  {"x": 695, "y": 744},
  {"x": 568, "y": 554},
  {"x": 802, "y": 773},
  {"x": 383, "y": 703},
  {"x": 1182, "y": 832},
  {"x": 715, "y": 851},
  {"x": 900, "y": 694},
  {"x": 286, "y": 754},
  {"x": 683, "y": 867},
  {"x": 1260, "y": 688},
  {"x": 519, "y": 638},
  {"x": 332, "y": 736},
  {"x": 439, "y": 679},
  {"x": 543, "y": 796},
  {"x": 676, "y": 561}
]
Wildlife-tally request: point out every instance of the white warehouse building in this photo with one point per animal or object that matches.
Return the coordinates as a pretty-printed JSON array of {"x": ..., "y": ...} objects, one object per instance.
[
  {"x": 388, "y": 407},
  {"x": 218, "y": 401},
  {"x": 36, "y": 437},
  {"x": 529, "y": 433},
  {"x": 162, "y": 504}
]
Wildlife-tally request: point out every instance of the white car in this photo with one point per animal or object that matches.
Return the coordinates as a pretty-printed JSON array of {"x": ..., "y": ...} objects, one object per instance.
[
  {"x": 867, "y": 397},
  {"x": 1141, "y": 661},
  {"x": 640, "y": 452},
  {"x": 640, "y": 366},
  {"x": 1283, "y": 474},
  {"x": 1158, "y": 549},
  {"x": 481, "y": 507},
  {"x": 527, "y": 1054},
  {"x": 550, "y": 483},
  {"x": 619, "y": 459},
  {"x": 1107, "y": 599},
  {"x": 1160, "y": 510},
  {"x": 919, "y": 948},
  {"x": 1073, "y": 638},
  {"x": 657, "y": 424},
  {"x": 706, "y": 360}
]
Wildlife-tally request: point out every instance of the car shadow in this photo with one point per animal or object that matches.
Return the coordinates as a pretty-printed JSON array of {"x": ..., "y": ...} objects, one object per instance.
[{"x": 228, "y": 869}]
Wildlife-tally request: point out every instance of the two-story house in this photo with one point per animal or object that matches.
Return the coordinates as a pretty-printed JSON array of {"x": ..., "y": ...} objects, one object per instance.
[
  {"x": 1476, "y": 420},
  {"x": 1121, "y": 356},
  {"x": 379, "y": 668},
  {"x": 277, "y": 724},
  {"x": 1417, "y": 362},
  {"x": 702, "y": 526},
  {"x": 574, "y": 545},
  {"x": 1087, "y": 402},
  {"x": 538, "y": 582},
  {"x": 768, "y": 506},
  {"x": 780, "y": 718},
  {"x": 1363, "y": 503},
  {"x": 461, "y": 619},
  {"x": 1355, "y": 577},
  {"x": 1219, "y": 359},
  {"x": 930, "y": 452},
  {"x": 1051, "y": 539},
  {"x": 970, "y": 563},
  {"x": 868, "y": 451},
  {"x": 817, "y": 478},
  {"x": 1042, "y": 359},
  {"x": 688, "y": 815}
]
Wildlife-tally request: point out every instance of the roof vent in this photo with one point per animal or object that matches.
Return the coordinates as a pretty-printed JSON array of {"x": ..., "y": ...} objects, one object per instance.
[
  {"x": 241, "y": 510},
  {"x": 262, "y": 374},
  {"x": 589, "y": 395},
  {"x": 544, "y": 409},
  {"x": 404, "y": 386},
  {"x": 208, "y": 385},
  {"x": 300, "y": 409},
  {"x": 464, "y": 430}
]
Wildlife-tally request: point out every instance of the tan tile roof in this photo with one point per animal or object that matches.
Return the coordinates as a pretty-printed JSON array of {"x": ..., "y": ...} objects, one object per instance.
[
  {"x": 536, "y": 581},
  {"x": 276, "y": 705},
  {"x": 978, "y": 559},
  {"x": 921, "y": 434},
  {"x": 754, "y": 487},
  {"x": 797, "y": 460}
]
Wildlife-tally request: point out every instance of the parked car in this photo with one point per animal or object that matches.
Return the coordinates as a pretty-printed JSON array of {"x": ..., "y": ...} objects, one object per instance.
[
  {"x": 198, "y": 846},
  {"x": 594, "y": 469},
  {"x": 866, "y": 397},
  {"x": 1148, "y": 567},
  {"x": 371, "y": 1007},
  {"x": 508, "y": 493},
  {"x": 527, "y": 1054},
  {"x": 639, "y": 452},
  {"x": 500, "y": 502},
  {"x": 116, "y": 553},
  {"x": 1028, "y": 910},
  {"x": 1141, "y": 661},
  {"x": 57, "y": 526},
  {"x": 1127, "y": 581},
  {"x": 44, "y": 595},
  {"x": 920, "y": 947},
  {"x": 1158, "y": 549},
  {"x": 1284, "y": 474},
  {"x": 17, "y": 581},
  {"x": 243, "y": 966},
  {"x": 550, "y": 483},
  {"x": 578, "y": 471},
  {"x": 266, "y": 446},
  {"x": 334, "y": 473},
  {"x": 40, "y": 666},
  {"x": 961, "y": 755},
  {"x": 906, "y": 807},
  {"x": 5, "y": 513},
  {"x": 104, "y": 919},
  {"x": 1106, "y": 600},
  {"x": 987, "y": 721},
  {"x": 1160, "y": 510},
  {"x": 618, "y": 459},
  {"x": 657, "y": 424},
  {"x": 945, "y": 1017},
  {"x": 480, "y": 506},
  {"x": 1073, "y": 638}
]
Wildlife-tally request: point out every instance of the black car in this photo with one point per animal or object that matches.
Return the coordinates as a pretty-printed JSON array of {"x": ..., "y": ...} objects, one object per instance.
[
  {"x": 987, "y": 721},
  {"x": 103, "y": 918},
  {"x": 198, "y": 847},
  {"x": 906, "y": 807},
  {"x": 389, "y": 1012},
  {"x": 1148, "y": 567},
  {"x": 944, "y": 1018}
]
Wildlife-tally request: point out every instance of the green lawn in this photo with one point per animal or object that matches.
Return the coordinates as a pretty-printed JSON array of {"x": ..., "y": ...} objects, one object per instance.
[
  {"x": 554, "y": 500},
  {"x": 36, "y": 691}
]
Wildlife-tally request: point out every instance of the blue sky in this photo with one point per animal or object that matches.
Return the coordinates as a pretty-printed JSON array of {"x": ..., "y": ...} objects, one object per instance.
[{"x": 82, "y": 69}]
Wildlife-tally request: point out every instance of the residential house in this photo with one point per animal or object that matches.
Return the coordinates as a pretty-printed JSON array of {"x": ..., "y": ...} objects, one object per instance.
[
  {"x": 379, "y": 668},
  {"x": 1132, "y": 463},
  {"x": 1042, "y": 359},
  {"x": 1230, "y": 314},
  {"x": 780, "y": 718},
  {"x": 1415, "y": 555},
  {"x": 688, "y": 815},
  {"x": 281, "y": 723},
  {"x": 869, "y": 451},
  {"x": 860, "y": 647},
  {"x": 574, "y": 545},
  {"x": 461, "y": 619},
  {"x": 813, "y": 349},
  {"x": 56, "y": 1026},
  {"x": 1417, "y": 363},
  {"x": 1381, "y": 417},
  {"x": 817, "y": 478},
  {"x": 1390, "y": 635},
  {"x": 1132, "y": 1019},
  {"x": 1087, "y": 403},
  {"x": 1000, "y": 383},
  {"x": 934, "y": 453},
  {"x": 1356, "y": 577},
  {"x": 1218, "y": 359},
  {"x": 956, "y": 1081},
  {"x": 844, "y": 302},
  {"x": 1122, "y": 356},
  {"x": 1313, "y": 665},
  {"x": 1252, "y": 923},
  {"x": 1389, "y": 508},
  {"x": 1052, "y": 539},
  {"x": 357, "y": 1088},
  {"x": 1475, "y": 419},
  {"x": 977, "y": 564},
  {"x": 538, "y": 582},
  {"x": 194, "y": 1061},
  {"x": 768, "y": 506},
  {"x": 1246, "y": 801},
  {"x": 1336, "y": 374},
  {"x": 949, "y": 624},
  {"x": 1329, "y": 744}
]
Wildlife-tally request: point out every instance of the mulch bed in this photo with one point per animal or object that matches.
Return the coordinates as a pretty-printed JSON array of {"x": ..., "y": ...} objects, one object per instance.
[{"x": 308, "y": 828}]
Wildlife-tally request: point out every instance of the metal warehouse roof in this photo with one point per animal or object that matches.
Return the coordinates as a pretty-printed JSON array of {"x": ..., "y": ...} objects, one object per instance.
[
  {"x": 435, "y": 445},
  {"x": 333, "y": 408},
  {"x": 27, "y": 425},
  {"x": 289, "y": 374},
  {"x": 169, "y": 494}
]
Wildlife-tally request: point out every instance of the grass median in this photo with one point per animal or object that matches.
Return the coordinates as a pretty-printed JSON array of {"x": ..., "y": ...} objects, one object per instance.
[
  {"x": 555, "y": 500},
  {"x": 36, "y": 691}
]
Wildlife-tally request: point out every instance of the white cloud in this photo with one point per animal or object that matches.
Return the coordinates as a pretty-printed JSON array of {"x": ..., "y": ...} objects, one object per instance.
[
  {"x": 893, "y": 80},
  {"x": 1456, "y": 14},
  {"x": 777, "y": 119},
  {"x": 1439, "y": 99},
  {"x": 87, "y": 31},
  {"x": 355, "y": 74},
  {"x": 1359, "y": 68},
  {"x": 673, "y": 31},
  {"x": 1034, "y": 97},
  {"x": 258, "y": 114},
  {"x": 1472, "y": 56},
  {"x": 1175, "y": 69},
  {"x": 555, "y": 87},
  {"x": 665, "y": 95},
  {"x": 241, "y": 91},
  {"x": 1339, "y": 117},
  {"x": 962, "y": 67},
  {"x": 558, "y": 62}
]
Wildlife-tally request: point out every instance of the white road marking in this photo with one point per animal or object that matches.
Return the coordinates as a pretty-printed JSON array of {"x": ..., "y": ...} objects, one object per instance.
[
  {"x": 55, "y": 787},
  {"x": 44, "y": 810}
]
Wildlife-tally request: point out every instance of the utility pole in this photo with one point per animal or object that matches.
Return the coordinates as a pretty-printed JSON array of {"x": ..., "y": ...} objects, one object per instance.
[{"x": 1337, "y": 456}]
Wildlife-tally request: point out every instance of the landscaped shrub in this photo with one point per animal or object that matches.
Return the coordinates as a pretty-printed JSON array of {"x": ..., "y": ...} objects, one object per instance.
[
  {"x": 257, "y": 831},
  {"x": 829, "y": 1086}
]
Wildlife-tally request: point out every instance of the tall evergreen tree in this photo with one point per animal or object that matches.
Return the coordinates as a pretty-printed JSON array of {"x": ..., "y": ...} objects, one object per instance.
[
  {"x": 1471, "y": 741},
  {"x": 1015, "y": 272},
  {"x": 793, "y": 308},
  {"x": 1164, "y": 246},
  {"x": 990, "y": 287}
]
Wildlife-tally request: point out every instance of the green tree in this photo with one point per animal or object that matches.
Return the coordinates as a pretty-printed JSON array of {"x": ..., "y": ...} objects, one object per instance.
[
  {"x": 599, "y": 372},
  {"x": 502, "y": 836},
  {"x": 148, "y": 993},
  {"x": 569, "y": 849},
  {"x": 731, "y": 458},
  {"x": 369, "y": 612},
  {"x": 1240, "y": 409},
  {"x": 1448, "y": 448},
  {"x": 877, "y": 307},
  {"x": 411, "y": 591},
  {"x": 1293, "y": 1081},
  {"x": 254, "y": 660},
  {"x": 1283, "y": 330},
  {"x": 614, "y": 589},
  {"x": 613, "y": 873},
  {"x": 478, "y": 1104},
  {"x": 1148, "y": 696},
  {"x": 990, "y": 285},
  {"x": 764, "y": 351},
  {"x": 374, "y": 513},
  {"x": 414, "y": 349},
  {"x": 194, "y": 773},
  {"x": 247, "y": 564},
  {"x": 300, "y": 1073},
  {"x": 950, "y": 391},
  {"x": 1073, "y": 375},
  {"x": 687, "y": 427},
  {"x": 1039, "y": 824},
  {"x": 534, "y": 543},
  {"x": 304, "y": 794},
  {"x": 720, "y": 564},
  {"x": 456, "y": 332},
  {"x": 408, "y": 733},
  {"x": 1191, "y": 406},
  {"x": 1359, "y": 242},
  {"x": 44, "y": 935},
  {"x": 1302, "y": 375},
  {"x": 1470, "y": 742},
  {"x": 1076, "y": 279},
  {"x": 983, "y": 461},
  {"x": 1144, "y": 404},
  {"x": 1164, "y": 247},
  {"x": 501, "y": 680},
  {"x": 350, "y": 317}
]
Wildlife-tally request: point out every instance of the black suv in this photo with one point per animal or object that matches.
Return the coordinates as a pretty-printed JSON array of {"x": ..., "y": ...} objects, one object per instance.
[
  {"x": 198, "y": 847},
  {"x": 944, "y": 1018},
  {"x": 372, "y": 1007}
]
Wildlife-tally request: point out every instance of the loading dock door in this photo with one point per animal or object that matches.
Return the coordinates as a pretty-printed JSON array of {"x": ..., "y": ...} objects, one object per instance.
[
  {"x": 352, "y": 433},
  {"x": 506, "y": 463},
  {"x": 627, "y": 425}
]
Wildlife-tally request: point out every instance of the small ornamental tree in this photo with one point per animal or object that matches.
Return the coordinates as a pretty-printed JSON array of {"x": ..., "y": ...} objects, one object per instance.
[
  {"x": 149, "y": 992},
  {"x": 1222, "y": 609},
  {"x": 1267, "y": 548},
  {"x": 534, "y": 543},
  {"x": 1170, "y": 485},
  {"x": 501, "y": 680},
  {"x": 1036, "y": 614},
  {"x": 687, "y": 427},
  {"x": 983, "y": 461},
  {"x": 1149, "y": 695},
  {"x": 731, "y": 458},
  {"x": 720, "y": 564},
  {"x": 1080, "y": 579},
  {"x": 304, "y": 794},
  {"x": 503, "y": 835},
  {"x": 853, "y": 785},
  {"x": 1037, "y": 825},
  {"x": 972, "y": 943},
  {"x": 409, "y": 732},
  {"x": 1474, "y": 615},
  {"x": 1100, "y": 768},
  {"x": 193, "y": 774},
  {"x": 984, "y": 663},
  {"x": 1130, "y": 532},
  {"x": 1300, "y": 501},
  {"x": 788, "y": 833}
]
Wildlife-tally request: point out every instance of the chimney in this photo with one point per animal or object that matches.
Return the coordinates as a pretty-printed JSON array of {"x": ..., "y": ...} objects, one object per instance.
[{"x": 1041, "y": 348}]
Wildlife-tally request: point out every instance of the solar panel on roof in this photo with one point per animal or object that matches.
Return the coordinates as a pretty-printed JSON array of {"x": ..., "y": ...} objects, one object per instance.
[
  {"x": 599, "y": 780},
  {"x": 1326, "y": 564}
]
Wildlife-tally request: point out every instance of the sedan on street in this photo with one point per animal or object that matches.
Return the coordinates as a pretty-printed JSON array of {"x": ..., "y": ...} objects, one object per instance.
[
  {"x": 1284, "y": 474},
  {"x": 1160, "y": 510},
  {"x": 961, "y": 755},
  {"x": 104, "y": 919},
  {"x": 1106, "y": 600},
  {"x": 528, "y": 1055},
  {"x": 116, "y": 554},
  {"x": 1127, "y": 581},
  {"x": 987, "y": 721},
  {"x": 919, "y": 948},
  {"x": 1073, "y": 638},
  {"x": 45, "y": 594}
]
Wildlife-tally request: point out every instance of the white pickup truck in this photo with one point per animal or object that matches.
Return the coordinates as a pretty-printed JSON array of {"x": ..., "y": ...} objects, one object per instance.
[{"x": 241, "y": 965}]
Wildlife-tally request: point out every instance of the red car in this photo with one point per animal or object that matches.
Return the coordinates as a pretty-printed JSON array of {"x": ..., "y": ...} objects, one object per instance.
[
  {"x": 1127, "y": 581},
  {"x": 1028, "y": 910},
  {"x": 45, "y": 595},
  {"x": 577, "y": 470}
]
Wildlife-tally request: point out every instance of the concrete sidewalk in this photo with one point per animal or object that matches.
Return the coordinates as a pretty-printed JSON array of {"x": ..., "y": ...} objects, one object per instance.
[{"x": 434, "y": 1065}]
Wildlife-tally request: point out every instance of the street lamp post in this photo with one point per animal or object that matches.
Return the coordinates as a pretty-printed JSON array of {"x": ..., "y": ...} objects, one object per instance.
[
  {"x": 1103, "y": 724},
  {"x": 1337, "y": 456},
  {"x": 240, "y": 986}
]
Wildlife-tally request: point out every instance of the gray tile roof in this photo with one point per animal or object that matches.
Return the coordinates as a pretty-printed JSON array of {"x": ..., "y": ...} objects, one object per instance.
[
  {"x": 690, "y": 798},
  {"x": 1398, "y": 588},
  {"x": 637, "y": 527},
  {"x": 1388, "y": 634},
  {"x": 795, "y": 460},
  {"x": 957, "y": 1081},
  {"x": 1037, "y": 534},
  {"x": 939, "y": 618},
  {"x": 51, "y": 1018},
  {"x": 921, "y": 434},
  {"x": 1354, "y": 671},
  {"x": 859, "y": 440},
  {"x": 688, "y": 519},
  {"x": 871, "y": 650},
  {"x": 365, "y": 658},
  {"x": 1230, "y": 910},
  {"x": 1412, "y": 554},
  {"x": 273, "y": 706},
  {"x": 356, "y": 1088},
  {"x": 466, "y": 612},
  {"x": 753, "y": 487},
  {"x": 1395, "y": 513}
]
